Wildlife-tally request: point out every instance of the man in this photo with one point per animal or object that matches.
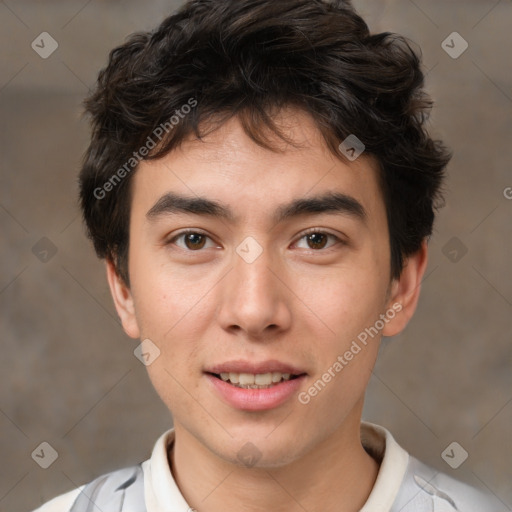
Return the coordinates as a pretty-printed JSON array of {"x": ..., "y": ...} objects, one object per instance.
[{"x": 262, "y": 187}]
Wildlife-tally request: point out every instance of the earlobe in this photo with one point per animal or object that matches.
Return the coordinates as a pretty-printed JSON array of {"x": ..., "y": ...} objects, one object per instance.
[
  {"x": 405, "y": 291},
  {"x": 123, "y": 301}
]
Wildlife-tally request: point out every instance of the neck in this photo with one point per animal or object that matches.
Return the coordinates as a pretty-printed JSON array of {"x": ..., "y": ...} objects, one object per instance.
[{"x": 336, "y": 475}]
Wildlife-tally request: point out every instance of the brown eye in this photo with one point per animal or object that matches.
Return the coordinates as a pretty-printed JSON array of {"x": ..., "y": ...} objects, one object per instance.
[
  {"x": 317, "y": 240},
  {"x": 192, "y": 241}
]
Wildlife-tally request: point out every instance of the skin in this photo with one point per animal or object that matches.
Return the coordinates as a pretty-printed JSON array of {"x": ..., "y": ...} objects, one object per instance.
[{"x": 296, "y": 303}]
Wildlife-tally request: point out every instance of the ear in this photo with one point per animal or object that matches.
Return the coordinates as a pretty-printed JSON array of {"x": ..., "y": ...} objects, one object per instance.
[
  {"x": 405, "y": 291},
  {"x": 123, "y": 301}
]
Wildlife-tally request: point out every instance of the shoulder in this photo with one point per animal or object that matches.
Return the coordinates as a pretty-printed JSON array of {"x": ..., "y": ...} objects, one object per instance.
[
  {"x": 117, "y": 491},
  {"x": 423, "y": 484}
]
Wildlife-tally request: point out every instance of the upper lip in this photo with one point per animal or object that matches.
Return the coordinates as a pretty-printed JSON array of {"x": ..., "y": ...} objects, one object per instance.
[{"x": 242, "y": 366}]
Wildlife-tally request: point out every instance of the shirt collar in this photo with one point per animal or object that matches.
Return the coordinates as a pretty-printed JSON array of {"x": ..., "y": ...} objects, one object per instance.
[
  {"x": 381, "y": 445},
  {"x": 163, "y": 494}
]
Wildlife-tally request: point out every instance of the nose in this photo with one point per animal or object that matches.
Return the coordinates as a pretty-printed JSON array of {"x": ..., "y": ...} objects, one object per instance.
[{"x": 254, "y": 299}]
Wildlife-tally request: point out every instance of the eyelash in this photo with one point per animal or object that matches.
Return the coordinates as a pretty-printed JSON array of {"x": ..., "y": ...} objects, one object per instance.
[{"x": 303, "y": 235}]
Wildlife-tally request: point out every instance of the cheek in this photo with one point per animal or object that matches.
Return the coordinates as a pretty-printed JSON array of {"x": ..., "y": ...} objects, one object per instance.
[
  {"x": 343, "y": 302},
  {"x": 165, "y": 297},
  {"x": 171, "y": 308},
  {"x": 348, "y": 350},
  {"x": 345, "y": 312}
]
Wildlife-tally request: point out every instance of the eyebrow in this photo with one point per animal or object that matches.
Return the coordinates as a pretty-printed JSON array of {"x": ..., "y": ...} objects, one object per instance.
[{"x": 331, "y": 202}]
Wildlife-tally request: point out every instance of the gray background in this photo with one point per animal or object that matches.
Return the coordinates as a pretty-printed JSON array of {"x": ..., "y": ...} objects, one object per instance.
[{"x": 69, "y": 374}]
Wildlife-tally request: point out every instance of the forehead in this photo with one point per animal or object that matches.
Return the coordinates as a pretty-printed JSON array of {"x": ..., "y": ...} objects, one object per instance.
[{"x": 231, "y": 169}]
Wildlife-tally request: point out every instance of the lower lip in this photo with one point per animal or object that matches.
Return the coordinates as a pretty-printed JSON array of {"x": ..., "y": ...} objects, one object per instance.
[{"x": 256, "y": 399}]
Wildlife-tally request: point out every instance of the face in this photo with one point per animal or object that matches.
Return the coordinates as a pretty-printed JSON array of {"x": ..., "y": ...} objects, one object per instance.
[{"x": 282, "y": 275}]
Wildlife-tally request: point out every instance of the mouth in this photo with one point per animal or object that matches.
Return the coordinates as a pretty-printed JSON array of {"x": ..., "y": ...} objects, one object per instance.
[
  {"x": 255, "y": 380},
  {"x": 255, "y": 391},
  {"x": 252, "y": 386}
]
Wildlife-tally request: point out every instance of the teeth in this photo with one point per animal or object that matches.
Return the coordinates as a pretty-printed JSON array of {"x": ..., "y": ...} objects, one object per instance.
[
  {"x": 276, "y": 376},
  {"x": 250, "y": 380},
  {"x": 263, "y": 379},
  {"x": 245, "y": 378}
]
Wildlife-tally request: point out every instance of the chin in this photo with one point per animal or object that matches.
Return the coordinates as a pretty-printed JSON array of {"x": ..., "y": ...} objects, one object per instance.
[{"x": 261, "y": 448}]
